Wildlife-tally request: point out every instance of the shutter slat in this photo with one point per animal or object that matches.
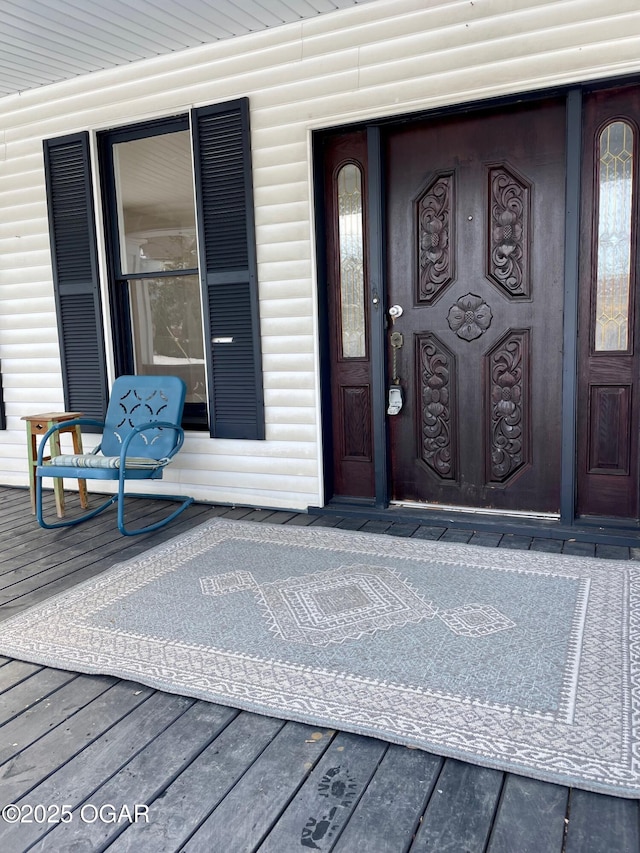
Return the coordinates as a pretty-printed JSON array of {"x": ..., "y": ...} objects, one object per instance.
[{"x": 74, "y": 258}]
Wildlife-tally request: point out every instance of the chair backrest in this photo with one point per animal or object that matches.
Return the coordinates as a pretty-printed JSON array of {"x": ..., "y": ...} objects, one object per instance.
[{"x": 138, "y": 400}]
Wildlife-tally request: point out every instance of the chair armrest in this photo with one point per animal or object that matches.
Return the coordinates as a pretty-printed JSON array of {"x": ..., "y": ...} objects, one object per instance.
[
  {"x": 154, "y": 425},
  {"x": 65, "y": 426}
]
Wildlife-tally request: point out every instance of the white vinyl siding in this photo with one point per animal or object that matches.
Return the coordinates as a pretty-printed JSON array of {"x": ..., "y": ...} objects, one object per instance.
[{"x": 385, "y": 58}]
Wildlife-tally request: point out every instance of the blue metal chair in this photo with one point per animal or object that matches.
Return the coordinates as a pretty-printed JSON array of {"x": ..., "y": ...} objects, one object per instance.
[{"x": 141, "y": 433}]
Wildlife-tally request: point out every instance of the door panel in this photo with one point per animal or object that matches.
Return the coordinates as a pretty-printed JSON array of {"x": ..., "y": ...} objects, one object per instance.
[
  {"x": 475, "y": 219},
  {"x": 345, "y": 171},
  {"x": 608, "y": 334}
]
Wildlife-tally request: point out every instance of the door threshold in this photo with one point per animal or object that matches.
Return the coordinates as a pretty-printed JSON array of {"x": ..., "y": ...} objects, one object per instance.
[{"x": 472, "y": 510}]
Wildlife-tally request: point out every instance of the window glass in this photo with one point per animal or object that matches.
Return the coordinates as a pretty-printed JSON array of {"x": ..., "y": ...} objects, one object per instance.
[
  {"x": 350, "y": 231},
  {"x": 158, "y": 261},
  {"x": 615, "y": 198},
  {"x": 156, "y": 211},
  {"x": 167, "y": 330}
]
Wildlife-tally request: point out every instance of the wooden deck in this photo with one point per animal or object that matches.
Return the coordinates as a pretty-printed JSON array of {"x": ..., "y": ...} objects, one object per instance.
[{"x": 204, "y": 777}]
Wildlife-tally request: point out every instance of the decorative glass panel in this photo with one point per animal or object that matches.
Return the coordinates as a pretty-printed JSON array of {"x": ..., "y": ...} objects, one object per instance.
[
  {"x": 614, "y": 237},
  {"x": 350, "y": 235}
]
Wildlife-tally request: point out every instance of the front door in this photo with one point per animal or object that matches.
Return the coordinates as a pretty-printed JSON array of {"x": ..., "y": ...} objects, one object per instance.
[{"x": 475, "y": 253}]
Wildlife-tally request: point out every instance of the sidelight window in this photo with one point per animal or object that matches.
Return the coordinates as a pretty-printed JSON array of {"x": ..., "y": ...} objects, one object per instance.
[
  {"x": 351, "y": 242},
  {"x": 614, "y": 234}
]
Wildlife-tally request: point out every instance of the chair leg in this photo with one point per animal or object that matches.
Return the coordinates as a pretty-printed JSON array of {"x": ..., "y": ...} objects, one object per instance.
[
  {"x": 69, "y": 522},
  {"x": 184, "y": 502}
]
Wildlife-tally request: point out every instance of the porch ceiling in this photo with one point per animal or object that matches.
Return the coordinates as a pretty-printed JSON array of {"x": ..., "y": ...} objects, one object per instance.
[{"x": 47, "y": 41}]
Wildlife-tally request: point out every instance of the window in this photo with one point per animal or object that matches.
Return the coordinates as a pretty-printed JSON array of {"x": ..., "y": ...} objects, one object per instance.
[
  {"x": 149, "y": 190},
  {"x": 615, "y": 199},
  {"x": 183, "y": 298},
  {"x": 350, "y": 238}
]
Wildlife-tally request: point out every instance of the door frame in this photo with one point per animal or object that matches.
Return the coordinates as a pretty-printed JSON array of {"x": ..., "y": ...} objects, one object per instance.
[{"x": 378, "y": 289}]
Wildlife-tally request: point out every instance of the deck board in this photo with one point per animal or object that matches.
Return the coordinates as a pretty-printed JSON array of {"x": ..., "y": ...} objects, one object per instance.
[
  {"x": 142, "y": 780},
  {"x": 218, "y": 779},
  {"x": 530, "y": 817},
  {"x": 196, "y": 792},
  {"x": 388, "y": 814},
  {"x": 16, "y": 671},
  {"x": 38, "y": 686},
  {"x": 461, "y": 810},
  {"x": 601, "y": 824},
  {"x": 66, "y": 740},
  {"x": 249, "y": 811},
  {"x": 76, "y": 780},
  {"x": 39, "y": 719},
  {"x": 324, "y": 804}
]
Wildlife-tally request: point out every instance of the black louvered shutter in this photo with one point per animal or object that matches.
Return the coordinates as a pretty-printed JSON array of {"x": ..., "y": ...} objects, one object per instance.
[
  {"x": 224, "y": 198},
  {"x": 72, "y": 234}
]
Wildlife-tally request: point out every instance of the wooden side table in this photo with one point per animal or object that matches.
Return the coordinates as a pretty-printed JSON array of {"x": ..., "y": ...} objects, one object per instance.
[{"x": 39, "y": 425}]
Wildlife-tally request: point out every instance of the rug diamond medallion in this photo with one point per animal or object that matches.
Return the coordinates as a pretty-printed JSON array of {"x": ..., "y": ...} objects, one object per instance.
[{"x": 347, "y": 602}]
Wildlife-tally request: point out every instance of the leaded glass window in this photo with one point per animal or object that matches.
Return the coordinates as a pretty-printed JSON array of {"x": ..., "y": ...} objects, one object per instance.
[
  {"x": 615, "y": 199},
  {"x": 350, "y": 237}
]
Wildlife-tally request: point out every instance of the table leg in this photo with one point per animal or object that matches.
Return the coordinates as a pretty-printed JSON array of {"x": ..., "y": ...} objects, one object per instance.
[
  {"x": 82, "y": 483},
  {"x": 32, "y": 452},
  {"x": 58, "y": 482}
]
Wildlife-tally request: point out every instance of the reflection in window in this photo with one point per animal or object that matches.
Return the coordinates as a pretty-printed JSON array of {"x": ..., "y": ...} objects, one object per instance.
[
  {"x": 167, "y": 329},
  {"x": 615, "y": 182},
  {"x": 156, "y": 210},
  {"x": 350, "y": 237}
]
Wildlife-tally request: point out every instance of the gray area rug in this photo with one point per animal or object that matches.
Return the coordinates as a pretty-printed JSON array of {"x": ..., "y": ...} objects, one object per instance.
[{"x": 521, "y": 661}]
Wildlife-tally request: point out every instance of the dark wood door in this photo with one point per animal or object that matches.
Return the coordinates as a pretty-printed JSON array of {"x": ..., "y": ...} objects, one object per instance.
[
  {"x": 475, "y": 249},
  {"x": 608, "y": 337}
]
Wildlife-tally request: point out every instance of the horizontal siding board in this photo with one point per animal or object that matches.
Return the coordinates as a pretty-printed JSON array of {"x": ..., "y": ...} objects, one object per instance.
[
  {"x": 286, "y": 308},
  {"x": 247, "y": 480},
  {"x": 285, "y": 194},
  {"x": 296, "y": 212},
  {"x": 286, "y": 399},
  {"x": 286, "y": 381},
  {"x": 38, "y": 311},
  {"x": 279, "y": 466},
  {"x": 533, "y": 72},
  {"x": 287, "y": 326},
  {"x": 281, "y": 235},
  {"x": 290, "y": 288},
  {"x": 279, "y": 361},
  {"x": 292, "y": 433},
  {"x": 282, "y": 252},
  {"x": 282, "y": 155},
  {"x": 290, "y": 415},
  {"x": 285, "y": 270},
  {"x": 247, "y": 454},
  {"x": 294, "y": 171},
  {"x": 294, "y": 344},
  {"x": 484, "y": 50}
]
